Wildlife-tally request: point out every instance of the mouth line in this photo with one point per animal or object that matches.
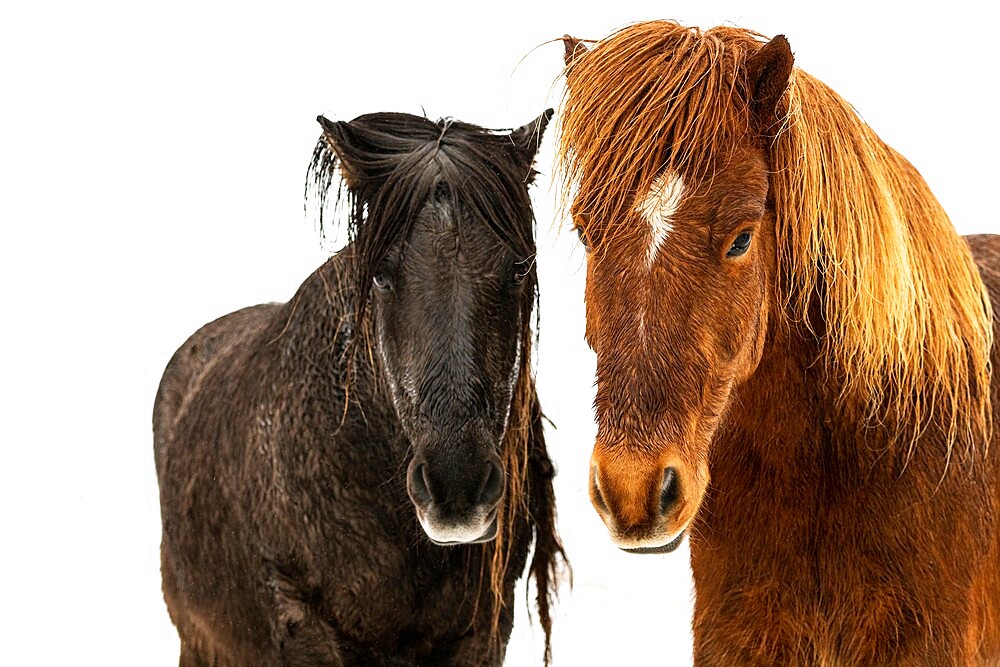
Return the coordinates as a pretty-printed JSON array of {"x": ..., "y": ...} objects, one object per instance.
[
  {"x": 489, "y": 534},
  {"x": 664, "y": 549}
]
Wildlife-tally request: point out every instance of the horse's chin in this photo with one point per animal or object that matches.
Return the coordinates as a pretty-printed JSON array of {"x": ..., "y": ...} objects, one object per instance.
[
  {"x": 489, "y": 534},
  {"x": 665, "y": 549}
]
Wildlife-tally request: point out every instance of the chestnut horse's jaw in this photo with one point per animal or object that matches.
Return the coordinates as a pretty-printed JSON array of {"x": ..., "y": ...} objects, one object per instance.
[
  {"x": 649, "y": 545},
  {"x": 665, "y": 549}
]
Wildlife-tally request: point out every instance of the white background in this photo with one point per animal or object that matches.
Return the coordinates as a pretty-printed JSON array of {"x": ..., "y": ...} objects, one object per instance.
[{"x": 152, "y": 160}]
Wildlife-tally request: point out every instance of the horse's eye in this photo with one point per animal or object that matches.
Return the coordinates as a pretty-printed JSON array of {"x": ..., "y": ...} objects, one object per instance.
[
  {"x": 740, "y": 245},
  {"x": 382, "y": 281},
  {"x": 521, "y": 271},
  {"x": 583, "y": 237}
]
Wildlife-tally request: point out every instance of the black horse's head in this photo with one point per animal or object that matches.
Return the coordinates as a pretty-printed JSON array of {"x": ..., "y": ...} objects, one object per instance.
[{"x": 443, "y": 252}]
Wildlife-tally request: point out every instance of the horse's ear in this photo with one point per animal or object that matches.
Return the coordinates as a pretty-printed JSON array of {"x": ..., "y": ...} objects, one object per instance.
[
  {"x": 768, "y": 73},
  {"x": 345, "y": 142},
  {"x": 528, "y": 138},
  {"x": 574, "y": 48}
]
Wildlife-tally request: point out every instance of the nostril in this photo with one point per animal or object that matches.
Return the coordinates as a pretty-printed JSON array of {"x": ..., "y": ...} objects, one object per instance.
[
  {"x": 670, "y": 490},
  {"x": 491, "y": 487},
  {"x": 420, "y": 487},
  {"x": 597, "y": 495}
]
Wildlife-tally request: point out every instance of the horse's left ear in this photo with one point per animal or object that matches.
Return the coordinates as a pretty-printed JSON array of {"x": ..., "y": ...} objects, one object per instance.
[
  {"x": 573, "y": 48},
  {"x": 768, "y": 73},
  {"x": 528, "y": 138}
]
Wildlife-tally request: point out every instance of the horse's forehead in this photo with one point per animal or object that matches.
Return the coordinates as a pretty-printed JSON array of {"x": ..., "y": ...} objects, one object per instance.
[
  {"x": 684, "y": 211},
  {"x": 741, "y": 176},
  {"x": 657, "y": 209},
  {"x": 443, "y": 232}
]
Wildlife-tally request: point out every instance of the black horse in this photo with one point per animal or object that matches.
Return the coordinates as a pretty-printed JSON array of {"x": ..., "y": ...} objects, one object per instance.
[{"x": 300, "y": 447}]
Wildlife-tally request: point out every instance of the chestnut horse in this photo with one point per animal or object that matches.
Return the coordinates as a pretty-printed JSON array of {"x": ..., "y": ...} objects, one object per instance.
[
  {"x": 356, "y": 477},
  {"x": 794, "y": 353}
]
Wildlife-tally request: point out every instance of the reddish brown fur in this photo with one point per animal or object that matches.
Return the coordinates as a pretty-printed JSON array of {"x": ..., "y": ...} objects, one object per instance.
[{"x": 841, "y": 493}]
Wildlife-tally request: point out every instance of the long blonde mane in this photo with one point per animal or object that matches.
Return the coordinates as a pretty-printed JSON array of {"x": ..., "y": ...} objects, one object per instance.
[{"x": 869, "y": 262}]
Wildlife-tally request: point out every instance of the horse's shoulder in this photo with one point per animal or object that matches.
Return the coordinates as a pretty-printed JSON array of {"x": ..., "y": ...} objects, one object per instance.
[
  {"x": 200, "y": 352},
  {"x": 986, "y": 253}
]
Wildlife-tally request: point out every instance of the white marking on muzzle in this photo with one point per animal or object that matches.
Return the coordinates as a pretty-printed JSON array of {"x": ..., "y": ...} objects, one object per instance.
[
  {"x": 657, "y": 209},
  {"x": 456, "y": 532}
]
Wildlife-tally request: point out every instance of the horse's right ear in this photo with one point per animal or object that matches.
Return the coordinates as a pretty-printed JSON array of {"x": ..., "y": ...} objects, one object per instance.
[
  {"x": 344, "y": 141},
  {"x": 573, "y": 49},
  {"x": 528, "y": 138}
]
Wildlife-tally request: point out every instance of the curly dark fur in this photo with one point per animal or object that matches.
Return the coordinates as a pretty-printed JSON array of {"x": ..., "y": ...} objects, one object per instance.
[{"x": 288, "y": 534}]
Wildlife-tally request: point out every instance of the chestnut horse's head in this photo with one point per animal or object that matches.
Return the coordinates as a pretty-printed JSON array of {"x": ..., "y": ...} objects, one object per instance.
[
  {"x": 681, "y": 259},
  {"x": 726, "y": 198}
]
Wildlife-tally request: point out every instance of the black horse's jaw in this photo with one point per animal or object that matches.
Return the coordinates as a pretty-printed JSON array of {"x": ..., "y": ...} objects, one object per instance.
[{"x": 489, "y": 534}]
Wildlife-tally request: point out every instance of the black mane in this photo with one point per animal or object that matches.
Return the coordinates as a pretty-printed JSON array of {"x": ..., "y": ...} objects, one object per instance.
[{"x": 404, "y": 160}]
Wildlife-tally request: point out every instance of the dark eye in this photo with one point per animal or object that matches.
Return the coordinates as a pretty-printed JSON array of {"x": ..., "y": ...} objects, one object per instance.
[
  {"x": 740, "y": 245},
  {"x": 382, "y": 281},
  {"x": 579, "y": 221},
  {"x": 521, "y": 271}
]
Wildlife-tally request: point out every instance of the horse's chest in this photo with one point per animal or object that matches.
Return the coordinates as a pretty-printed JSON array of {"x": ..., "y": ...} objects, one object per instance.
[
  {"x": 821, "y": 575},
  {"x": 387, "y": 593}
]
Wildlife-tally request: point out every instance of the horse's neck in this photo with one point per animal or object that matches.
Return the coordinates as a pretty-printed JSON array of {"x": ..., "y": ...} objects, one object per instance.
[
  {"x": 777, "y": 417},
  {"x": 316, "y": 318},
  {"x": 313, "y": 336},
  {"x": 791, "y": 419}
]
